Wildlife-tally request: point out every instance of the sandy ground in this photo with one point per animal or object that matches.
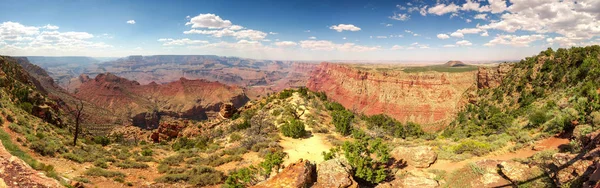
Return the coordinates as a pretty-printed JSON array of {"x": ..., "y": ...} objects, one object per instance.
[
  {"x": 548, "y": 143},
  {"x": 307, "y": 148}
]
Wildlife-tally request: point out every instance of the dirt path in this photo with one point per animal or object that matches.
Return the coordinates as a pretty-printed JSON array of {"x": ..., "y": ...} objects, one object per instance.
[
  {"x": 306, "y": 148},
  {"x": 548, "y": 144}
]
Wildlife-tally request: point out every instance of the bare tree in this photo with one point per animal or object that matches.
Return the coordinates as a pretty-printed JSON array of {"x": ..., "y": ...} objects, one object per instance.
[
  {"x": 292, "y": 109},
  {"x": 77, "y": 112}
]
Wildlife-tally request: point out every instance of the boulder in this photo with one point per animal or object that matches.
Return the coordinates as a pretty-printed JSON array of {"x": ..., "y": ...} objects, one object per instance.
[
  {"x": 227, "y": 110},
  {"x": 518, "y": 172},
  {"x": 335, "y": 173},
  {"x": 415, "y": 178},
  {"x": 297, "y": 175},
  {"x": 568, "y": 168},
  {"x": 420, "y": 156}
]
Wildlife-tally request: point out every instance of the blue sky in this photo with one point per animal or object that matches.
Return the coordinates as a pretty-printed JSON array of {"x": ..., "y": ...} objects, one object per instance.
[{"x": 470, "y": 30}]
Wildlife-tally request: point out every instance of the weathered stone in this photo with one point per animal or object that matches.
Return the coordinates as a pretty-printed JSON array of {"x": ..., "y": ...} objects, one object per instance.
[
  {"x": 334, "y": 173},
  {"x": 491, "y": 78},
  {"x": 518, "y": 172},
  {"x": 420, "y": 156},
  {"x": 227, "y": 110},
  {"x": 416, "y": 178},
  {"x": 297, "y": 175},
  {"x": 17, "y": 173}
]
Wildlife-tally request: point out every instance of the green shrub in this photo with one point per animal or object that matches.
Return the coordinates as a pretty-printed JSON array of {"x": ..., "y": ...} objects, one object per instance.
[
  {"x": 147, "y": 152},
  {"x": 294, "y": 128},
  {"x": 234, "y": 137},
  {"x": 15, "y": 128},
  {"x": 272, "y": 160},
  {"x": 286, "y": 93},
  {"x": 101, "y": 163},
  {"x": 144, "y": 158},
  {"x": 102, "y": 140},
  {"x": 173, "y": 160},
  {"x": 471, "y": 146},
  {"x": 240, "y": 178},
  {"x": 131, "y": 164},
  {"x": 334, "y": 106},
  {"x": 73, "y": 157},
  {"x": 538, "y": 118},
  {"x": 199, "y": 176},
  {"x": 95, "y": 171},
  {"x": 45, "y": 147},
  {"x": 359, "y": 154},
  {"x": 342, "y": 121}
]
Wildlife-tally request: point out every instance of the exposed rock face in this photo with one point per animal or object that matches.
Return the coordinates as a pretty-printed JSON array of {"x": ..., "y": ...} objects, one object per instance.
[
  {"x": 492, "y": 77},
  {"x": 518, "y": 172},
  {"x": 420, "y": 156},
  {"x": 227, "y": 110},
  {"x": 14, "y": 172},
  {"x": 413, "y": 179},
  {"x": 424, "y": 98},
  {"x": 335, "y": 173},
  {"x": 299, "y": 175},
  {"x": 168, "y": 130},
  {"x": 146, "y": 104}
]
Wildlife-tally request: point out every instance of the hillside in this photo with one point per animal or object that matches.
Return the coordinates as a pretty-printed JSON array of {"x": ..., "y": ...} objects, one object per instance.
[
  {"x": 428, "y": 98},
  {"x": 144, "y": 105}
]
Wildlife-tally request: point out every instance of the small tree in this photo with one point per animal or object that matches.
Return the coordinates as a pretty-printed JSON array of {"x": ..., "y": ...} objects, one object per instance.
[
  {"x": 292, "y": 110},
  {"x": 342, "y": 120},
  {"x": 77, "y": 113},
  {"x": 368, "y": 157},
  {"x": 294, "y": 128}
]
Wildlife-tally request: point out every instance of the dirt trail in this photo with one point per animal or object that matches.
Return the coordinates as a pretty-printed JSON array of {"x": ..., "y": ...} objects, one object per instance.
[{"x": 548, "y": 144}]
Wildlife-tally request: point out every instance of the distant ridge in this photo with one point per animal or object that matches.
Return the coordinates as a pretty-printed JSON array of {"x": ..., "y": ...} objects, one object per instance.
[{"x": 455, "y": 64}]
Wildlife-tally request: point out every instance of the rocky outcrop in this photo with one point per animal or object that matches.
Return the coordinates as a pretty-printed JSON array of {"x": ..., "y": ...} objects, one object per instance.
[
  {"x": 423, "y": 97},
  {"x": 455, "y": 64},
  {"x": 297, "y": 175},
  {"x": 518, "y": 172},
  {"x": 492, "y": 77},
  {"x": 14, "y": 172},
  {"x": 167, "y": 131},
  {"x": 147, "y": 104},
  {"x": 335, "y": 173},
  {"x": 227, "y": 110},
  {"x": 413, "y": 179},
  {"x": 420, "y": 156}
]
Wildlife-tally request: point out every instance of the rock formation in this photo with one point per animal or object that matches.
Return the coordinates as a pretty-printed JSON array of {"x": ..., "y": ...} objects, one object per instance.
[
  {"x": 146, "y": 104},
  {"x": 492, "y": 77},
  {"x": 335, "y": 173},
  {"x": 297, "y": 175},
  {"x": 424, "y": 97},
  {"x": 227, "y": 110},
  {"x": 420, "y": 156},
  {"x": 14, "y": 172}
]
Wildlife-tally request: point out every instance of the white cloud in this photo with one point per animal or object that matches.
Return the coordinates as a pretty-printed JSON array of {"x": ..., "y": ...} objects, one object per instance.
[
  {"x": 443, "y": 36},
  {"x": 13, "y": 31},
  {"x": 485, "y": 34},
  {"x": 481, "y": 16},
  {"x": 286, "y": 44},
  {"x": 324, "y": 45},
  {"x": 236, "y": 27},
  {"x": 416, "y": 35},
  {"x": 131, "y": 21},
  {"x": 210, "y": 21},
  {"x": 344, "y": 27},
  {"x": 401, "y": 17},
  {"x": 464, "y": 43},
  {"x": 388, "y": 25},
  {"x": 307, "y": 31},
  {"x": 468, "y": 20},
  {"x": 449, "y": 46},
  {"x": 469, "y": 30},
  {"x": 312, "y": 37},
  {"x": 497, "y": 6},
  {"x": 397, "y": 47},
  {"x": 470, "y": 5},
  {"x": 423, "y": 10},
  {"x": 457, "y": 35},
  {"x": 273, "y": 33},
  {"x": 381, "y": 37},
  {"x": 248, "y": 33},
  {"x": 514, "y": 40},
  {"x": 180, "y": 42},
  {"x": 441, "y": 9},
  {"x": 51, "y": 27}
]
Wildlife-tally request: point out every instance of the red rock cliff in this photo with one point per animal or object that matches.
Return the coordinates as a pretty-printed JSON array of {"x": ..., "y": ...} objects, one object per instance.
[{"x": 427, "y": 98}]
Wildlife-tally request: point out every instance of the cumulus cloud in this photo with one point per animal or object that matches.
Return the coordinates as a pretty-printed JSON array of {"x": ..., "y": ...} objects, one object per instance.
[
  {"x": 180, "y": 42},
  {"x": 312, "y": 37},
  {"x": 286, "y": 44},
  {"x": 344, "y": 27},
  {"x": 130, "y": 22},
  {"x": 273, "y": 33},
  {"x": 381, "y": 37},
  {"x": 441, "y": 9},
  {"x": 401, "y": 17},
  {"x": 218, "y": 27},
  {"x": 514, "y": 40},
  {"x": 497, "y": 6},
  {"x": 449, "y": 46},
  {"x": 481, "y": 16},
  {"x": 51, "y": 27},
  {"x": 324, "y": 45},
  {"x": 485, "y": 34},
  {"x": 209, "y": 20},
  {"x": 464, "y": 43},
  {"x": 443, "y": 36},
  {"x": 457, "y": 35}
]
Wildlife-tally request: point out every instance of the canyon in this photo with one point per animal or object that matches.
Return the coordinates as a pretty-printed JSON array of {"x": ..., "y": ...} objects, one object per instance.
[{"x": 428, "y": 98}]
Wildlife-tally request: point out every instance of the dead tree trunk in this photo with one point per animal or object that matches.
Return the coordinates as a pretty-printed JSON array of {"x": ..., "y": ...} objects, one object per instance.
[{"x": 77, "y": 113}]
